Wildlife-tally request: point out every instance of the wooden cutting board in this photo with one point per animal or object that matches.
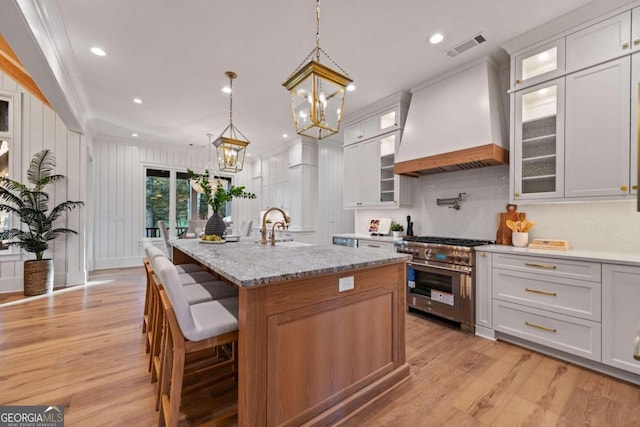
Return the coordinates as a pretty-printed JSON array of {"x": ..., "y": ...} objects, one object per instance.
[{"x": 503, "y": 235}]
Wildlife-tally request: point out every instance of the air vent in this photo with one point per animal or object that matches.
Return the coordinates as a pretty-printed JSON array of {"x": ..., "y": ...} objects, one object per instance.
[{"x": 465, "y": 45}]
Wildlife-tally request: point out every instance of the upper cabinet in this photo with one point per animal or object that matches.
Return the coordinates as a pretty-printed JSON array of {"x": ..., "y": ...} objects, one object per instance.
[
  {"x": 600, "y": 42},
  {"x": 538, "y": 149},
  {"x": 370, "y": 148},
  {"x": 8, "y": 105},
  {"x": 539, "y": 64},
  {"x": 575, "y": 133}
]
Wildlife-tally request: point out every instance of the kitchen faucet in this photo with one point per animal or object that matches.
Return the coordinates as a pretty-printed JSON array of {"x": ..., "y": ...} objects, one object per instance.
[{"x": 263, "y": 227}]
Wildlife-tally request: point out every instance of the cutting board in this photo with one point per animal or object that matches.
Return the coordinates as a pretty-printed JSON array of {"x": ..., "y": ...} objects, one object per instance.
[{"x": 503, "y": 236}]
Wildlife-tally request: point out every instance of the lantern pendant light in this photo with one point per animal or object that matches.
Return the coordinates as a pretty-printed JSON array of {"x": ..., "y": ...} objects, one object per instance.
[
  {"x": 231, "y": 148},
  {"x": 317, "y": 93}
]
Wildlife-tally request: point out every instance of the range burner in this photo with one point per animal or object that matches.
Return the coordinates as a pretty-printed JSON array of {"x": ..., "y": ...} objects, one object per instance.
[{"x": 451, "y": 241}]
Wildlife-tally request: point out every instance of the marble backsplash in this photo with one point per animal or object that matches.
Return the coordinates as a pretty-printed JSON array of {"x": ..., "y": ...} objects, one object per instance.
[{"x": 611, "y": 226}]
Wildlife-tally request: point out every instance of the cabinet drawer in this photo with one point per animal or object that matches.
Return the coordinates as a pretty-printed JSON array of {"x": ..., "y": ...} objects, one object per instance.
[
  {"x": 580, "y": 270},
  {"x": 572, "y": 297},
  {"x": 388, "y": 246},
  {"x": 570, "y": 334}
]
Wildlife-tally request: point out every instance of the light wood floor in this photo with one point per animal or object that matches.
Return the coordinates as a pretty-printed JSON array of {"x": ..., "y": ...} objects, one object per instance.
[{"x": 83, "y": 349}]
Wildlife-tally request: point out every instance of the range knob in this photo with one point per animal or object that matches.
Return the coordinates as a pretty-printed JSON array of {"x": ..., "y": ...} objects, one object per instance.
[{"x": 428, "y": 254}]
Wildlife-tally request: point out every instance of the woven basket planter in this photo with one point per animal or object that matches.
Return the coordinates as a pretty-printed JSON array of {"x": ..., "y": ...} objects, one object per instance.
[{"x": 38, "y": 277}]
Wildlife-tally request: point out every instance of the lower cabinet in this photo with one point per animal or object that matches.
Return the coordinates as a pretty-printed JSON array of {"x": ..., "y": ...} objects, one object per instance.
[
  {"x": 580, "y": 307},
  {"x": 376, "y": 244},
  {"x": 620, "y": 315}
]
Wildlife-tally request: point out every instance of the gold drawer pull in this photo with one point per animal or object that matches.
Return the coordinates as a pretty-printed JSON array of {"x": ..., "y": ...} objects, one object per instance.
[
  {"x": 536, "y": 291},
  {"x": 636, "y": 356},
  {"x": 544, "y": 328},
  {"x": 547, "y": 266},
  {"x": 624, "y": 188},
  {"x": 634, "y": 187}
]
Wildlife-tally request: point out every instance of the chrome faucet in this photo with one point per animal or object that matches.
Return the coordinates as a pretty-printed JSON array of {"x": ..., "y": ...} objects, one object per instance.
[{"x": 263, "y": 227}]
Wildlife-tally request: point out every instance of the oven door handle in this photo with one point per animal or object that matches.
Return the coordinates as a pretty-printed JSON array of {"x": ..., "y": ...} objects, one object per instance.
[{"x": 432, "y": 268}]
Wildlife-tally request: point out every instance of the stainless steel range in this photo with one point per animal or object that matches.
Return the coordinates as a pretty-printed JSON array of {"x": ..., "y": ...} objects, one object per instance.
[{"x": 440, "y": 277}]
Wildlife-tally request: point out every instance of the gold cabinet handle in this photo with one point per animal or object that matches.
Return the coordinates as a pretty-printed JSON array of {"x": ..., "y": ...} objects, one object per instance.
[
  {"x": 516, "y": 194},
  {"x": 547, "y": 266},
  {"x": 536, "y": 291},
  {"x": 634, "y": 187},
  {"x": 482, "y": 254},
  {"x": 544, "y": 328},
  {"x": 636, "y": 41},
  {"x": 625, "y": 45},
  {"x": 518, "y": 81},
  {"x": 636, "y": 356},
  {"x": 624, "y": 188}
]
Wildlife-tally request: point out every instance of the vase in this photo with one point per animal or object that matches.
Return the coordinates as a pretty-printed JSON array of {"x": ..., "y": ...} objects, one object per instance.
[
  {"x": 520, "y": 239},
  {"x": 215, "y": 225},
  {"x": 396, "y": 234}
]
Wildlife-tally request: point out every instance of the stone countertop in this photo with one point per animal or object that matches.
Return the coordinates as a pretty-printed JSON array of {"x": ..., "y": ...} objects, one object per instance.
[
  {"x": 248, "y": 264},
  {"x": 578, "y": 255}
]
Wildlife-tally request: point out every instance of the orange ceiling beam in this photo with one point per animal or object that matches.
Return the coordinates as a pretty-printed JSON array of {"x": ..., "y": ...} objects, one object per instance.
[{"x": 11, "y": 65}]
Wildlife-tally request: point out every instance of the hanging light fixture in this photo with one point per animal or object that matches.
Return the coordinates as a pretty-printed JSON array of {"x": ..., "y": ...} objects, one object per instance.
[
  {"x": 317, "y": 92},
  {"x": 231, "y": 149}
]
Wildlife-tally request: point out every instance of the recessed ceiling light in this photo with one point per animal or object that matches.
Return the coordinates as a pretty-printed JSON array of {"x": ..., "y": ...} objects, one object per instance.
[
  {"x": 137, "y": 100},
  {"x": 436, "y": 38},
  {"x": 351, "y": 87},
  {"x": 98, "y": 51},
  {"x": 135, "y": 135},
  {"x": 226, "y": 89},
  {"x": 284, "y": 135}
]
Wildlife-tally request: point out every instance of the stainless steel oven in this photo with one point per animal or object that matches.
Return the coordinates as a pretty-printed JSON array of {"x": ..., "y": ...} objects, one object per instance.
[
  {"x": 440, "y": 278},
  {"x": 443, "y": 292}
]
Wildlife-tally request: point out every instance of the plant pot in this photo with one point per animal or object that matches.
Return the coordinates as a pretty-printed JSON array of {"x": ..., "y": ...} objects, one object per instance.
[
  {"x": 215, "y": 225},
  {"x": 38, "y": 277},
  {"x": 520, "y": 239},
  {"x": 396, "y": 234}
]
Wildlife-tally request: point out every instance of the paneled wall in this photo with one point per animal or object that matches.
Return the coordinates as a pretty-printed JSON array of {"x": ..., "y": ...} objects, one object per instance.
[
  {"x": 42, "y": 128},
  {"x": 120, "y": 200}
]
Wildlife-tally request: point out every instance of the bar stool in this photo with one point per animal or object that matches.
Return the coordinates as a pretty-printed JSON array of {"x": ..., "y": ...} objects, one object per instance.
[{"x": 191, "y": 329}]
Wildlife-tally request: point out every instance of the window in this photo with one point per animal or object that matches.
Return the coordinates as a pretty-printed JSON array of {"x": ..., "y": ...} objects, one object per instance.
[
  {"x": 9, "y": 136},
  {"x": 170, "y": 198}
]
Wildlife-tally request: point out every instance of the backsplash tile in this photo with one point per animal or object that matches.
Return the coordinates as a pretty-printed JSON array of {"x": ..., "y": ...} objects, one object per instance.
[{"x": 602, "y": 226}]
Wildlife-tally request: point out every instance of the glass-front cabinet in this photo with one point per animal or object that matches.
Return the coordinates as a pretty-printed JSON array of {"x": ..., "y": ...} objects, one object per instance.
[
  {"x": 539, "y": 64},
  {"x": 539, "y": 142},
  {"x": 388, "y": 181}
]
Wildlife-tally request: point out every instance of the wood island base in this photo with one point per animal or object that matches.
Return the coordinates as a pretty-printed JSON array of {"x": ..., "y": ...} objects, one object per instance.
[{"x": 312, "y": 355}]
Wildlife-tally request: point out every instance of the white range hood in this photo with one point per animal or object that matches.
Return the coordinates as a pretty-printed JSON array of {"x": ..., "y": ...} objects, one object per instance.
[{"x": 455, "y": 123}]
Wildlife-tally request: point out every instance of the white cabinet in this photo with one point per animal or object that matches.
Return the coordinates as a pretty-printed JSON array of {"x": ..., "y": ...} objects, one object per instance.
[
  {"x": 552, "y": 302},
  {"x": 538, "y": 64},
  {"x": 376, "y": 244},
  {"x": 635, "y": 134},
  {"x": 597, "y": 130},
  {"x": 538, "y": 166},
  {"x": 360, "y": 131},
  {"x": 369, "y": 177},
  {"x": 620, "y": 315},
  {"x": 600, "y": 42},
  {"x": 483, "y": 293}
]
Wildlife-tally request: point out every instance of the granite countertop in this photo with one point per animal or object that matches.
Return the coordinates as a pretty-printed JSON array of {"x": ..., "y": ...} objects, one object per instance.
[
  {"x": 247, "y": 264},
  {"x": 578, "y": 255}
]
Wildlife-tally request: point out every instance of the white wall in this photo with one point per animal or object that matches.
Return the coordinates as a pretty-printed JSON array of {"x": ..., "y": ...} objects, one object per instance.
[
  {"x": 603, "y": 226},
  {"x": 120, "y": 201},
  {"x": 43, "y": 128}
]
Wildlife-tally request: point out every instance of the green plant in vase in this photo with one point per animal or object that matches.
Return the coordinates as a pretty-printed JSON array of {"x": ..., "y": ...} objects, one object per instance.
[
  {"x": 396, "y": 229},
  {"x": 217, "y": 199}
]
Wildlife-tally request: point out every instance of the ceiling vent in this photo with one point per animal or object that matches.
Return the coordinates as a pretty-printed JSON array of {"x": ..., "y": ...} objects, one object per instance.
[{"x": 466, "y": 45}]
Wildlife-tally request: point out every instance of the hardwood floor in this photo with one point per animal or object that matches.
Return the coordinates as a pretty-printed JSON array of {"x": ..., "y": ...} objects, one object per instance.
[{"x": 83, "y": 348}]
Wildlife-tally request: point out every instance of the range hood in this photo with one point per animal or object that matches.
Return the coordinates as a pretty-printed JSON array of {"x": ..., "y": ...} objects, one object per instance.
[{"x": 455, "y": 123}]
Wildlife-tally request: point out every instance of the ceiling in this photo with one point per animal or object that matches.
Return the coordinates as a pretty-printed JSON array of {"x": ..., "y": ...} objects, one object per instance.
[{"x": 172, "y": 54}]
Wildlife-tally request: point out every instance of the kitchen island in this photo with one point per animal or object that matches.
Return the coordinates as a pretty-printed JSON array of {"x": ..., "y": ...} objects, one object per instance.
[{"x": 321, "y": 327}]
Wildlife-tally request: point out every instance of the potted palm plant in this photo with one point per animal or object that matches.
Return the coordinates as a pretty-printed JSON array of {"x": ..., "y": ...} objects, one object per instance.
[
  {"x": 31, "y": 205},
  {"x": 217, "y": 199}
]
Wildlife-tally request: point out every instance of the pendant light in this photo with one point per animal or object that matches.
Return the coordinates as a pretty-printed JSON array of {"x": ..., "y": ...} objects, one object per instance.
[
  {"x": 231, "y": 149},
  {"x": 317, "y": 92}
]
